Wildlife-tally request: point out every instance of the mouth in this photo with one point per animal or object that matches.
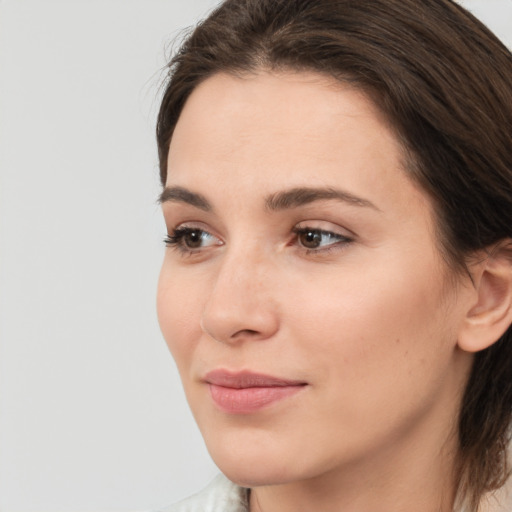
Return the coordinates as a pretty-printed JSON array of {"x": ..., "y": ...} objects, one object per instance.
[{"x": 247, "y": 392}]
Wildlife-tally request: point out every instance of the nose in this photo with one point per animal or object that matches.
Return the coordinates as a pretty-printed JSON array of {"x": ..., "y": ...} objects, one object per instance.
[{"x": 241, "y": 305}]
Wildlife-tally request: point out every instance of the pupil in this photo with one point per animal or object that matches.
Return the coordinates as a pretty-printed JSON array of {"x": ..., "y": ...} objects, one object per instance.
[
  {"x": 193, "y": 239},
  {"x": 311, "y": 239}
]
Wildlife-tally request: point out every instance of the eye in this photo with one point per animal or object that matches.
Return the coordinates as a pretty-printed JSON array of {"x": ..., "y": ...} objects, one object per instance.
[
  {"x": 191, "y": 239},
  {"x": 318, "y": 239}
]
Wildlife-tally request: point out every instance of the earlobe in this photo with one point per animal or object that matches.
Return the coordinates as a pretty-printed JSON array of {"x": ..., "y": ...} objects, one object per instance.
[{"x": 489, "y": 318}]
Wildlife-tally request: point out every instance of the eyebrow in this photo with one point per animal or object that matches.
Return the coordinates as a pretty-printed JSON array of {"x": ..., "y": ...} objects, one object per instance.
[
  {"x": 182, "y": 195},
  {"x": 305, "y": 195},
  {"x": 284, "y": 200}
]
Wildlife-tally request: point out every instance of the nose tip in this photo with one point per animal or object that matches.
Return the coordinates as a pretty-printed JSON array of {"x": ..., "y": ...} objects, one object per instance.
[
  {"x": 233, "y": 324},
  {"x": 240, "y": 307}
]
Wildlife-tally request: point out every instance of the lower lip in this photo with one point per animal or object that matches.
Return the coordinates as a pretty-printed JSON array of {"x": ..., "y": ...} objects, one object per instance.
[{"x": 248, "y": 400}]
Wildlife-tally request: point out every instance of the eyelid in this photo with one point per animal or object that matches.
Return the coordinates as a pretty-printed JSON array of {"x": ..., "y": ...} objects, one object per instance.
[
  {"x": 195, "y": 225},
  {"x": 325, "y": 226}
]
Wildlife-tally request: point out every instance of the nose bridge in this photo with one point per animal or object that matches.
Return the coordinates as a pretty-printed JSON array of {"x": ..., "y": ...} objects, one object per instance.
[{"x": 241, "y": 302}]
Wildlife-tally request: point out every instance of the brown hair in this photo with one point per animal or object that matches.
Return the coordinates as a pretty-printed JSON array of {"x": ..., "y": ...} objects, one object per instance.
[{"x": 445, "y": 83}]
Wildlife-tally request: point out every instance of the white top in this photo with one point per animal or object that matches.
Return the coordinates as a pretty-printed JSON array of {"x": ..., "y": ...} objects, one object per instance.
[{"x": 221, "y": 495}]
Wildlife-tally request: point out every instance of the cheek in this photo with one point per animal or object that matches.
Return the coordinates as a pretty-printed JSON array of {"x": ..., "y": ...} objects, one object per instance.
[
  {"x": 378, "y": 350},
  {"x": 377, "y": 327},
  {"x": 178, "y": 307}
]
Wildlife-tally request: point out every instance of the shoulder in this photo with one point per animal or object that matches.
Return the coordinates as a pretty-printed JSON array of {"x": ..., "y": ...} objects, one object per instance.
[{"x": 221, "y": 495}]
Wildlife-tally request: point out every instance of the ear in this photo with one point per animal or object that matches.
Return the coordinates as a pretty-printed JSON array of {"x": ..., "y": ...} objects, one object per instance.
[{"x": 489, "y": 318}]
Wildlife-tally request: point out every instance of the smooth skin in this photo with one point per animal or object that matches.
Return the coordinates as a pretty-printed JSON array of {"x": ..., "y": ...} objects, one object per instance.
[{"x": 346, "y": 290}]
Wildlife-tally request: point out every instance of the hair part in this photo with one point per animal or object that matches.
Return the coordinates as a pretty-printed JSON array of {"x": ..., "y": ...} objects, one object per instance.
[{"x": 444, "y": 82}]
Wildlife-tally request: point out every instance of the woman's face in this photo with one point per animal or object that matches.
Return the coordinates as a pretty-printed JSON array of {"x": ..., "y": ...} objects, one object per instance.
[{"x": 303, "y": 295}]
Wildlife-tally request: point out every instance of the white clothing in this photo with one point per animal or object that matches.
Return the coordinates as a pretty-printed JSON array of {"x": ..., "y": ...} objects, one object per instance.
[{"x": 221, "y": 495}]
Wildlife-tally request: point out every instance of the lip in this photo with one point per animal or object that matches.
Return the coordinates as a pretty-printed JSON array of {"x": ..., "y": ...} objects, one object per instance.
[{"x": 246, "y": 392}]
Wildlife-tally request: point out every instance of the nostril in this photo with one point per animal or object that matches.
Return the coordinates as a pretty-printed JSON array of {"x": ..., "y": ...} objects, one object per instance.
[{"x": 245, "y": 332}]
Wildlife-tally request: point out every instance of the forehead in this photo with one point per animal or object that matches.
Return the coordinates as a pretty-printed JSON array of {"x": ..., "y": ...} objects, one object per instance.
[
  {"x": 275, "y": 130},
  {"x": 292, "y": 105}
]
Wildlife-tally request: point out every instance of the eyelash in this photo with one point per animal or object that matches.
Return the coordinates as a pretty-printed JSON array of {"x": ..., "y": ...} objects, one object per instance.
[{"x": 176, "y": 239}]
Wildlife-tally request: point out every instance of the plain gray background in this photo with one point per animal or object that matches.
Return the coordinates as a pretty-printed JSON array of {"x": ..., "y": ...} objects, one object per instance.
[{"x": 92, "y": 416}]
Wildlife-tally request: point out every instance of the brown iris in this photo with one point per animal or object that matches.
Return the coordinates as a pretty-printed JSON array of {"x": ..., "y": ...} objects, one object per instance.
[{"x": 310, "y": 239}]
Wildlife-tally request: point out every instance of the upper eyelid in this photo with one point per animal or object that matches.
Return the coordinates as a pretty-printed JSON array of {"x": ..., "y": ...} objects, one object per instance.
[
  {"x": 336, "y": 230},
  {"x": 191, "y": 224},
  {"x": 183, "y": 228}
]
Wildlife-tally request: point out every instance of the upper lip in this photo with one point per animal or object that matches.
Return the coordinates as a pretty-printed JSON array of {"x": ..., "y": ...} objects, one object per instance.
[{"x": 247, "y": 379}]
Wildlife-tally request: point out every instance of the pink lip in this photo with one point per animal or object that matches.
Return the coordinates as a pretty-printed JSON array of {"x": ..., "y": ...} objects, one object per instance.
[{"x": 246, "y": 392}]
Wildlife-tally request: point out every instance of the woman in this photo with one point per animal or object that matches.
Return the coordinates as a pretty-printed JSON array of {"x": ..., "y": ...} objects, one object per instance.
[{"x": 337, "y": 288}]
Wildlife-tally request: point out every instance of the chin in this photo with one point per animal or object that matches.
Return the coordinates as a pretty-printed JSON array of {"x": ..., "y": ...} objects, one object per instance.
[
  {"x": 253, "y": 467},
  {"x": 250, "y": 476},
  {"x": 260, "y": 467}
]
